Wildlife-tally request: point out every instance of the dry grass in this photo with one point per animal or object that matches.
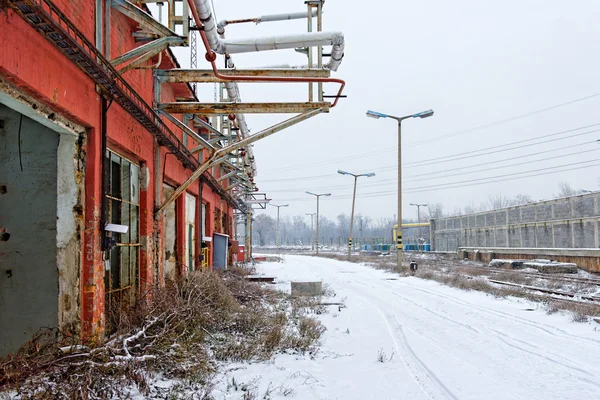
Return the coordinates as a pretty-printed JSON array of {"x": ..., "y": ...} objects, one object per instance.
[
  {"x": 474, "y": 278},
  {"x": 179, "y": 332}
]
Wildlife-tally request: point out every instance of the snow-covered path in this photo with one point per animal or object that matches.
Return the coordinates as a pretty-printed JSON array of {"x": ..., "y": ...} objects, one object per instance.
[{"x": 438, "y": 343}]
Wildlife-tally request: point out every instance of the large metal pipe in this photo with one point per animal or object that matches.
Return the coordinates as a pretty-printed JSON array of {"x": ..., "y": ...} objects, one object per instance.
[
  {"x": 202, "y": 14},
  {"x": 313, "y": 39}
]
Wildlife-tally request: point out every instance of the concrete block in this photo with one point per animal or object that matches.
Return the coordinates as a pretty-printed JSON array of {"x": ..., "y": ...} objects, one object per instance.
[
  {"x": 553, "y": 267},
  {"x": 307, "y": 288},
  {"x": 507, "y": 263}
]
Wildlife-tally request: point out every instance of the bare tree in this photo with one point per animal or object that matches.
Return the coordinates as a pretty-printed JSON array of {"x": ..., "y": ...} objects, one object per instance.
[
  {"x": 264, "y": 226},
  {"x": 434, "y": 211},
  {"x": 498, "y": 201},
  {"x": 566, "y": 190},
  {"x": 520, "y": 199}
]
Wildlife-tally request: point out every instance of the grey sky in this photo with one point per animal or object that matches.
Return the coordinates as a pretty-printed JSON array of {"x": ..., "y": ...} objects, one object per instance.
[{"x": 473, "y": 62}]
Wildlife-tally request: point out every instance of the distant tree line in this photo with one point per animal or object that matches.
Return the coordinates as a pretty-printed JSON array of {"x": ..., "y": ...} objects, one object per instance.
[{"x": 296, "y": 230}]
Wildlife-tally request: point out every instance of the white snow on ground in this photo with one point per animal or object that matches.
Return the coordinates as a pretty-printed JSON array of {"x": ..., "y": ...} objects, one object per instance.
[{"x": 438, "y": 343}]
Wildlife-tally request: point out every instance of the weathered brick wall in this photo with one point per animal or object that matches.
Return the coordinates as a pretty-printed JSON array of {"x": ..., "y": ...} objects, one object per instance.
[{"x": 569, "y": 222}]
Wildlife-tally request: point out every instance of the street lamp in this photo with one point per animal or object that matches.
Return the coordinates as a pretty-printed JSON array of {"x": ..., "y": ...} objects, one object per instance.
[
  {"x": 377, "y": 115},
  {"x": 368, "y": 175},
  {"x": 277, "y": 231},
  {"x": 419, "y": 218},
  {"x": 312, "y": 239},
  {"x": 317, "y": 196}
]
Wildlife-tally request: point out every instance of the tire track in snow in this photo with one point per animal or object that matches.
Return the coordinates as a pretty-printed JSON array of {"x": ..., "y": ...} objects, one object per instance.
[
  {"x": 551, "y": 330},
  {"x": 466, "y": 326},
  {"x": 507, "y": 340},
  {"x": 428, "y": 382},
  {"x": 431, "y": 342}
]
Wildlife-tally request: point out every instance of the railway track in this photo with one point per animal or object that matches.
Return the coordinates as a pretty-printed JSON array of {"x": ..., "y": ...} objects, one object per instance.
[{"x": 490, "y": 272}]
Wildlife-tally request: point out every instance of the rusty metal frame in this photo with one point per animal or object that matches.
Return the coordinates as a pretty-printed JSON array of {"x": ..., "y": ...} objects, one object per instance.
[
  {"x": 242, "y": 108},
  {"x": 147, "y": 50},
  {"x": 144, "y": 19},
  {"x": 208, "y": 76},
  {"x": 220, "y": 155}
]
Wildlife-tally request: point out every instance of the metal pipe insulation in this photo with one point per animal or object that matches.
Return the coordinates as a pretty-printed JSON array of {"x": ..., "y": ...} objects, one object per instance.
[
  {"x": 202, "y": 13},
  {"x": 311, "y": 39},
  {"x": 211, "y": 57},
  {"x": 264, "y": 18}
]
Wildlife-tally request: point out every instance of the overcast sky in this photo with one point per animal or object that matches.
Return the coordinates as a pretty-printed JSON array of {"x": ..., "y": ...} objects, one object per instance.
[{"x": 474, "y": 62}]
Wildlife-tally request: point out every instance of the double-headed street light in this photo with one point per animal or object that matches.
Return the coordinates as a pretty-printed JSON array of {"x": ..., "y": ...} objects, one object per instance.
[
  {"x": 377, "y": 115},
  {"x": 317, "y": 196},
  {"x": 368, "y": 175},
  {"x": 277, "y": 231}
]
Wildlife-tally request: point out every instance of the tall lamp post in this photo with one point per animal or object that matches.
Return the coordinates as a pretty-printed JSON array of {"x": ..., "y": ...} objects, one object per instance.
[
  {"x": 368, "y": 175},
  {"x": 312, "y": 239},
  {"x": 317, "y": 196},
  {"x": 419, "y": 218},
  {"x": 277, "y": 231},
  {"x": 377, "y": 115}
]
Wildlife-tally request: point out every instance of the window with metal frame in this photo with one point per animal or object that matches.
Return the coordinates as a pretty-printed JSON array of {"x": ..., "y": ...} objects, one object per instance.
[{"x": 123, "y": 208}]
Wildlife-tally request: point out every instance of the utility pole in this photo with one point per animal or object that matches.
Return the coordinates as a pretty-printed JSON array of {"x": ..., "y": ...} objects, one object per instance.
[
  {"x": 419, "y": 221},
  {"x": 312, "y": 234},
  {"x": 356, "y": 176},
  {"x": 317, "y": 196},
  {"x": 277, "y": 231}
]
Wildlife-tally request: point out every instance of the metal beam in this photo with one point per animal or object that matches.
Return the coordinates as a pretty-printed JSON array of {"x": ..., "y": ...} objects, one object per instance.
[
  {"x": 221, "y": 155},
  {"x": 208, "y": 76},
  {"x": 227, "y": 175},
  {"x": 153, "y": 46},
  {"x": 205, "y": 124},
  {"x": 141, "y": 17},
  {"x": 188, "y": 131},
  {"x": 142, "y": 59},
  {"x": 243, "y": 108}
]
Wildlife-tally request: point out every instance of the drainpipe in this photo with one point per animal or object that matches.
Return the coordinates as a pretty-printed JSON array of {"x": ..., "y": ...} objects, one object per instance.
[{"x": 104, "y": 170}]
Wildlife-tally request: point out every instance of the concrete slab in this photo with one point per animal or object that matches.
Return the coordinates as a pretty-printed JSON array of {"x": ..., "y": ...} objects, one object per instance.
[
  {"x": 307, "y": 288},
  {"x": 553, "y": 267}
]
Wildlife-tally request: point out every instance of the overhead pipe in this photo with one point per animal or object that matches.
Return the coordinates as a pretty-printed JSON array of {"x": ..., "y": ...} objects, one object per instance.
[
  {"x": 211, "y": 55},
  {"x": 265, "y": 18},
  {"x": 205, "y": 21},
  {"x": 203, "y": 17}
]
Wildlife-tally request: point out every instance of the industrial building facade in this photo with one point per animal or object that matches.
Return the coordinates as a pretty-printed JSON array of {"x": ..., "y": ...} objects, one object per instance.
[
  {"x": 73, "y": 159},
  {"x": 114, "y": 176}
]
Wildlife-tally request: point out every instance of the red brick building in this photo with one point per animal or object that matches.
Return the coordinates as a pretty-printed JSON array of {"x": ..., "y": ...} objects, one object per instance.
[{"x": 81, "y": 147}]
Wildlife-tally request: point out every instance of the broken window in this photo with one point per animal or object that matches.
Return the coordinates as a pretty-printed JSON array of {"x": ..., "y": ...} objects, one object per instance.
[{"x": 123, "y": 208}]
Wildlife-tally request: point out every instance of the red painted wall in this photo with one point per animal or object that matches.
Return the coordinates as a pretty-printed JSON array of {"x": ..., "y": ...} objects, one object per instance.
[{"x": 31, "y": 62}]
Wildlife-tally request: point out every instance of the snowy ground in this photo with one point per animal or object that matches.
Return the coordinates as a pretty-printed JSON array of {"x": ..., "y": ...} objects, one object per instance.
[{"x": 436, "y": 343}]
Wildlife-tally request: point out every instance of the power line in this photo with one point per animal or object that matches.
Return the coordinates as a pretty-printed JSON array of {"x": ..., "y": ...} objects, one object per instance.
[
  {"x": 451, "y": 157},
  {"x": 469, "y": 154},
  {"x": 442, "y": 137},
  {"x": 502, "y": 121},
  {"x": 473, "y": 182},
  {"x": 417, "y": 177},
  {"x": 504, "y": 166},
  {"x": 505, "y": 159}
]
